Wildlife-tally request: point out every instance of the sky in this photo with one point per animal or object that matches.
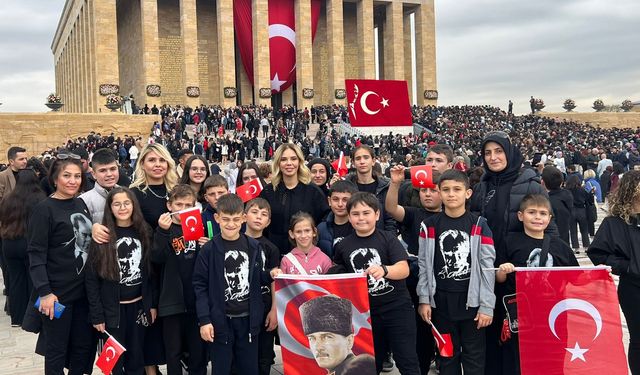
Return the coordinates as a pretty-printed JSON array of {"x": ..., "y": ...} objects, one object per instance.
[{"x": 488, "y": 51}]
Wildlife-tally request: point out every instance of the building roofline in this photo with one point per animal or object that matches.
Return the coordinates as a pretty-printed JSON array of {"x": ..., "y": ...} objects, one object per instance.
[{"x": 61, "y": 23}]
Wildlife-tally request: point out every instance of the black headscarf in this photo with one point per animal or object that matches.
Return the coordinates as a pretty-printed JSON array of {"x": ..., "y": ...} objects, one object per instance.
[
  {"x": 327, "y": 166},
  {"x": 514, "y": 159}
]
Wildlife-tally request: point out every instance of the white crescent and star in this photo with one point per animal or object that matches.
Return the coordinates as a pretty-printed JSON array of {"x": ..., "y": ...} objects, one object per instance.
[
  {"x": 252, "y": 189},
  {"x": 363, "y": 103},
  {"x": 575, "y": 304},
  {"x": 418, "y": 176},
  {"x": 283, "y": 31},
  {"x": 192, "y": 227},
  {"x": 110, "y": 350}
]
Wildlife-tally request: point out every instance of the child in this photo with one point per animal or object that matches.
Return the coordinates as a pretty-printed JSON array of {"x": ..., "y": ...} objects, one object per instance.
[
  {"x": 258, "y": 214},
  {"x": 561, "y": 200},
  {"x": 117, "y": 282},
  {"x": 227, "y": 280},
  {"x": 177, "y": 304},
  {"x": 305, "y": 258},
  {"x": 336, "y": 226},
  {"x": 214, "y": 187},
  {"x": 533, "y": 248},
  {"x": 454, "y": 291},
  {"x": 104, "y": 169},
  {"x": 380, "y": 255}
]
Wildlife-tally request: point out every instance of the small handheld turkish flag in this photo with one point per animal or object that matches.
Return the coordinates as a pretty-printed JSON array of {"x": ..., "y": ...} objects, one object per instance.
[
  {"x": 192, "y": 227},
  {"x": 111, "y": 352},
  {"x": 422, "y": 176},
  {"x": 249, "y": 190},
  {"x": 444, "y": 342},
  {"x": 378, "y": 103},
  {"x": 340, "y": 165},
  {"x": 576, "y": 319}
]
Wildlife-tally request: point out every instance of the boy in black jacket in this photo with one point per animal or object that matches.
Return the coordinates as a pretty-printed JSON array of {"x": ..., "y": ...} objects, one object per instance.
[
  {"x": 561, "y": 200},
  {"x": 227, "y": 280},
  {"x": 177, "y": 305},
  {"x": 533, "y": 248}
]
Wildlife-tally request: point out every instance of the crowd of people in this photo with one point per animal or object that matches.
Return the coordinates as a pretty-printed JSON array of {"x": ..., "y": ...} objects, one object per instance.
[{"x": 93, "y": 226}]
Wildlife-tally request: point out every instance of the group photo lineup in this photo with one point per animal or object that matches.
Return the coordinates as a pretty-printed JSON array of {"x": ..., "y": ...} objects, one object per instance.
[{"x": 319, "y": 187}]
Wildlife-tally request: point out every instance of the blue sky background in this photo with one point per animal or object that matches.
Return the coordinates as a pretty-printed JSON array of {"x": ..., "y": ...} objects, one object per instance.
[{"x": 488, "y": 51}]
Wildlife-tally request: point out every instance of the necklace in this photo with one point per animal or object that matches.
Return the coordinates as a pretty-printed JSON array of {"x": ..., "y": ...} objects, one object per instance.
[{"x": 166, "y": 195}]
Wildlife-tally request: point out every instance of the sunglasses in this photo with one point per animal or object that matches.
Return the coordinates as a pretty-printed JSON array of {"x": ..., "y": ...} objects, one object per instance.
[{"x": 67, "y": 156}]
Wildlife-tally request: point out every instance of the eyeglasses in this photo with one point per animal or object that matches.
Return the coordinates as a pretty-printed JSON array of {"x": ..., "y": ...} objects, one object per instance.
[
  {"x": 67, "y": 156},
  {"x": 119, "y": 205}
]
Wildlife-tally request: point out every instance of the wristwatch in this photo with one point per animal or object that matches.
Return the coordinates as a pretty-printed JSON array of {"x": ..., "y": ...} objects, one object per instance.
[{"x": 386, "y": 271}]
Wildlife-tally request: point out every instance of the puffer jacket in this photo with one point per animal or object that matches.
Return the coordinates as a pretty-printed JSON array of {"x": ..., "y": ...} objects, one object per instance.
[{"x": 95, "y": 200}]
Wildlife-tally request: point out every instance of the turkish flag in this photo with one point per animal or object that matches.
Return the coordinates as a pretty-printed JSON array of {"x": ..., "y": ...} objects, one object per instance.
[
  {"x": 249, "y": 190},
  {"x": 192, "y": 227},
  {"x": 111, "y": 352},
  {"x": 443, "y": 341},
  {"x": 422, "y": 176},
  {"x": 378, "y": 103},
  {"x": 340, "y": 165},
  {"x": 292, "y": 291},
  {"x": 574, "y": 315}
]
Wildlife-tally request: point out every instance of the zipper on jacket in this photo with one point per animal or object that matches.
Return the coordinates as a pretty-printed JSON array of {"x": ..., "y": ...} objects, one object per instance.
[{"x": 249, "y": 337}]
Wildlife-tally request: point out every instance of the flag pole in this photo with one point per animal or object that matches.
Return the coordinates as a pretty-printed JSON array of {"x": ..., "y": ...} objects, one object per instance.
[{"x": 563, "y": 268}]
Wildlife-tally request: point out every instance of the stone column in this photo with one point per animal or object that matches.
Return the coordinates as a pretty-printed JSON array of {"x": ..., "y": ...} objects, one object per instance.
[
  {"x": 261, "y": 66},
  {"x": 393, "y": 42},
  {"x": 92, "y": 58},
  {"x": 106, "y": 44},
  {"x": 304, "y": 52},
  {"x": 74, "y": 70},
  {"x": 83, "y": 61},
  {"x": 66, "y": 98},
  {"x": 189, "y": 27},
  {"x": 425, "y": 51},
  {"x": 408, "y": 55},
  {"x": 365, "y": 39},
  {"x": 335, "y": 44},
  {"x": 151, "y": 51},
  {"x": 226, "y": 50}
]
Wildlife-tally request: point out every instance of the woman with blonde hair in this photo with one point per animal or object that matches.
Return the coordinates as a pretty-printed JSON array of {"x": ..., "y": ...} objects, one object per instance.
[
  {"x": 290, "y": 192},
  {"x": 617, "y": 244}
]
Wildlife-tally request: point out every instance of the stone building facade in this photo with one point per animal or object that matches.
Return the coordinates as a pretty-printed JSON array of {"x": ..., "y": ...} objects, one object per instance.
[{"x": 184, "y": 51}]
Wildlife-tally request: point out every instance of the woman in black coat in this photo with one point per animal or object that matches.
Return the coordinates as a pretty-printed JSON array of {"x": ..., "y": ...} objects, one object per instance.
[{"x": 578, "y": 213}]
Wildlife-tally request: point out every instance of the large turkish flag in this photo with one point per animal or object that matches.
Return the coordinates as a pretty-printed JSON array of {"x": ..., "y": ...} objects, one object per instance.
[
  {"x": 282, "y": 39},
  {"x": 293, "y": 291},
  {"x": 378, "y": 103},
  {"x": 569, "y": 322}
]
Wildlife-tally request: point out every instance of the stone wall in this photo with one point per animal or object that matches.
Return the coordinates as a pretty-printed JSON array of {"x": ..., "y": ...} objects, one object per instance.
[
  {"x": 38, "y": 132},
  {"x": 602, "y": 119},
  {"x": 320, "y": 60},
  {"x": 130, "y": 50},
  {"x": 208, "y": 52},
  {"x": 171, "y": 53},
  {"x": 351, "y": 59}
]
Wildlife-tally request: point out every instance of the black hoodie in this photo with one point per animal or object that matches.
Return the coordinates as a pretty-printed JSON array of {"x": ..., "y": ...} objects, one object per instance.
[{"x": 562, "y": 203}]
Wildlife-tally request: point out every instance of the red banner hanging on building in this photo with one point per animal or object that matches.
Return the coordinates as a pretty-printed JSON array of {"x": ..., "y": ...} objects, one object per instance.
[
  {"x": 282, "y": 39},
  {"x": 324, "y": 324},
  {"x": 574, "y": 316},
  {"x": 378, "y": 103}
]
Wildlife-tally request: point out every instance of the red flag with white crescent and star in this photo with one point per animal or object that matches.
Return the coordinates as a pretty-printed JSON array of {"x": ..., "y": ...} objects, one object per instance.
[
  {"x": 340, "y": 165},
  {"x": 575, "y": 316},
  {"x": 111, "y": 351},
  {"x": 422, "y": 176},
  {"x": 192, "y": 227},
  {"x": 378, "y": 103},
  {"x": 249, "y": 190},
  {"x": 320, "y": 306}
]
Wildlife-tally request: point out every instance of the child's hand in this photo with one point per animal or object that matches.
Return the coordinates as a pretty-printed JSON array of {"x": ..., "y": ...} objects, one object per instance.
[
  {"x": 483, "y": 320},
  {"x": 336, "y": 177},
  {"x": 100, "y": 233},
  {"x": 275, "y": 272},
  {"x": 203, "y": 240},
  {"x": 377, "y": 272},
  {"x": 424, "y": 311},
  {"x": 272, "y": 320},
  {"x": 99, "y": 327},
  {"x": 154, "y": 315},
  {"x": 164, "y": 221},
  {"x": 506, "y": 268},
  {"x": 397, "y": 174},
  {"x": 206, "y": 332}
]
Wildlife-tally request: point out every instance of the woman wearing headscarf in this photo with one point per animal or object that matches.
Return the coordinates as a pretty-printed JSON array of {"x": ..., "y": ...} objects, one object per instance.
[
  {"x": 497, "y": 197},
  {"x": 320, "y": 172}
]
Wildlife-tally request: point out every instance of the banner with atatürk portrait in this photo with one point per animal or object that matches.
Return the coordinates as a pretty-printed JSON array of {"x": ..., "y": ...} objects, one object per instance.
[{"x": 324, "y": 324}]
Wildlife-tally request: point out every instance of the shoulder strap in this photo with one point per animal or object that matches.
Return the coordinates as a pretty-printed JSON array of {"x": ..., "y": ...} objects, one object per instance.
[
  {"x": 546, "y": 243},
  {"x": 292, "y": 258}
]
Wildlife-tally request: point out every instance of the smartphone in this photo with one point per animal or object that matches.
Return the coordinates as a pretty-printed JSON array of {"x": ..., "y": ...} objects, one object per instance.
[{"x": 58, "y": 308}]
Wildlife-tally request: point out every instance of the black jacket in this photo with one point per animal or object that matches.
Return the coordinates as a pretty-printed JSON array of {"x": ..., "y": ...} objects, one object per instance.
[
  {"x": 208, "y": 283},
  {"x": 562, "y": 203},
  {"x": 325, "y": 235},
  {"x": 104, "y": 297},
  {"x": 617, "y": 244}
]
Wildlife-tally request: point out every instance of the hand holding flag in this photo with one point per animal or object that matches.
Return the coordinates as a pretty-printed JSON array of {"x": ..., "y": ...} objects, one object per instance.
[
  {"x": 111, "y": 352},
  {"x": 422, "y": 176},
  {"x": 192, "y": 227},
  {"x": 340, "y": 165}
]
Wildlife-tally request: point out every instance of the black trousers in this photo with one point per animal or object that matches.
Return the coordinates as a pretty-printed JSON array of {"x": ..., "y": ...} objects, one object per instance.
[
  {"x": 181, "y": 333},
  {"x": 70, "y": 336},
  {"x": 237, "y": 345},
  {"x": 425, "y": 344},
  {"x": 468, "y": 346},
  {"x": 579, "y": 219},
  {"x": 131, "y": 335},
  {"x": 628, "y": 292},
  {"x": 395, "y": 331},
  {"x": 19, "y": 285},
  {"x": 266, "y": 354}
]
